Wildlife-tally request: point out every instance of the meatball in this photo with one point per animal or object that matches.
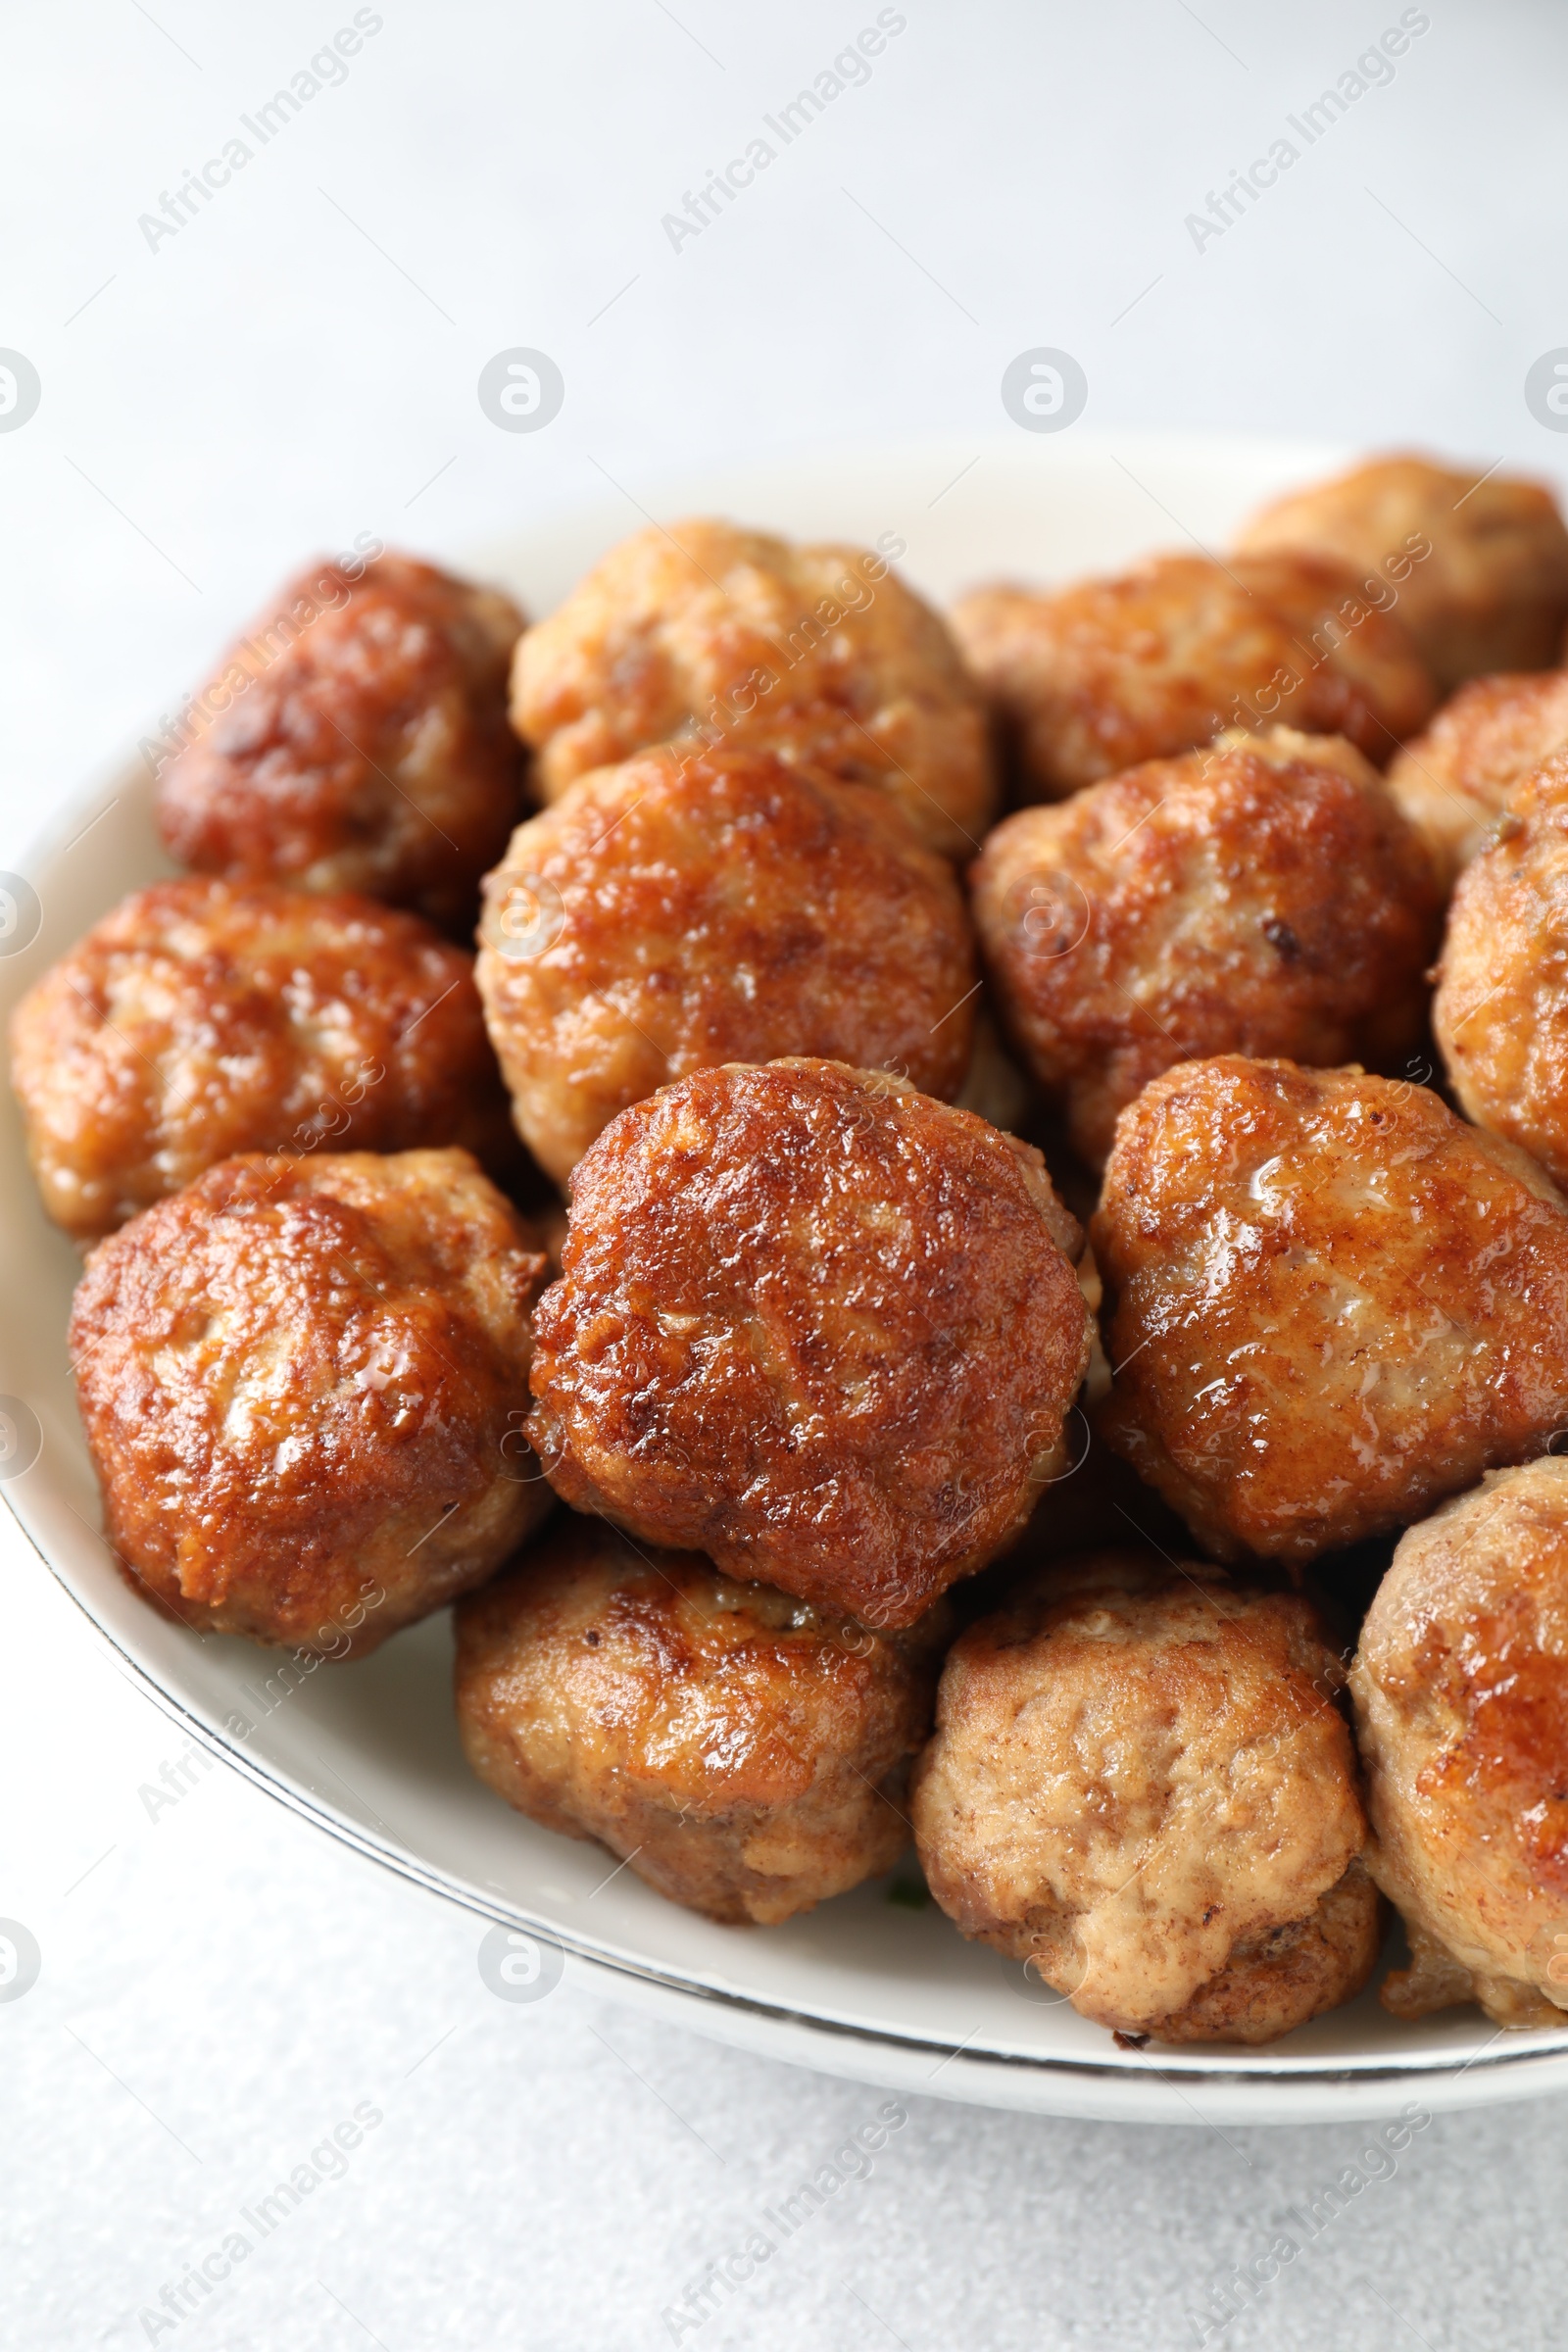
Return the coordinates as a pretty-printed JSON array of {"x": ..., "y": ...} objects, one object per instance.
[
  {"x": 721, "y": 636},
  {"x": 1141, "y": 1784},
  {"x": 1096, "y": 677},
  {"x": 814, "y": 1324},
  {"x": 1330, "y": 1302},
  {"x": 1480, "y": 567},
  {"x": 1454, "y": 781},
  {"x": 356, "y": 740},
  {"x": 1263, "y": 896},
  {"x": 1461, "y": 1703},
  {"x": 745, "y": 1753},
  {"x": 673, "y": 912},
  {"x": 302, "y": 1382},
  {"x": 203, "y": 1018},
  {"x": 1501, "y": 1010}
]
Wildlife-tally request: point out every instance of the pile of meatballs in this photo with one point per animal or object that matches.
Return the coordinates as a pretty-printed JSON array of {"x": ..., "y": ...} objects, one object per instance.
[{"x": 1057, "y": 1341}]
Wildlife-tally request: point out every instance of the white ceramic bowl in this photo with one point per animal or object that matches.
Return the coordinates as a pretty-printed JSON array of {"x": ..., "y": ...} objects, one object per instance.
[{"x": 863, "y": 1987}]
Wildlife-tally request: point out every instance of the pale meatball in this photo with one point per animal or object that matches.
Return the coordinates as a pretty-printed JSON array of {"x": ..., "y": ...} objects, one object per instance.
[
  {"x": 1480, "y": 565},
  {"x": 1330, "y": 1302},
  {"x": 746, "y": 1753},
  {"x": 357, "y": 739},
  {"x": 1501, "y": 1014},
  {"x": 684, "y": 910},
  {"x": 1454, "y": 781},
  {"x": 1461, "y": 1703},
  {"x": 1263, "y": 896},
  {"x": 203, "y": 1018},
  {"x": 727, "y": 637},
  {"x": 302, "y": 1384},
  {"x": 1141, "y": 1786},
  {"x": 814, "y": 1324},
  {"x": 1094, "y": 679}
]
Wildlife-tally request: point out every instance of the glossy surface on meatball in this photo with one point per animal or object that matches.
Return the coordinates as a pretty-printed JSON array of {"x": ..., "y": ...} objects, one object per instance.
[
  {"x": 203, "y": 1018},
  {"x": 814, "y": 1324},
  {"x": 358, "y": 741},
  {"x": 1330, "y": 1302},
  {"x": 1454, "y": 781},
  {"x": 301, "y": 1381},
  {"x": 746, "y": 1753},
  {"x": 1141, "y": 1784},
  {"x": 1480, "y": 564},
  {"x": 1461, "y": 1700},
  {"x": 1263, "y": 895},
  {"x": 1501, "y": 1010},
  {"x": 679, "y": 911},
  {"x": 1098, "y": 677},
  {"x": 730, "y": 637}
]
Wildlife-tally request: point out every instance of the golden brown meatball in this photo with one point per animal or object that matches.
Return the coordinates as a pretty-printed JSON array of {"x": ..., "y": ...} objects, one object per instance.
[
  {"x": 1263, "y": 896},
  {"x": 302, "y": 1384},
  {"x": 1501, "y": 1010},
  {"x": 1349, "y": 645},
  {"x": 814, "y": 1324},
  {"x": 745, "y": 1753},
  {"x": 356, "y": 740},
  {"x": 678, "y": 911},
  {"x": 720, "y": 636},
  {"x": 1095, "y": 678},
  {"x": 1330, "y": 1302},
  {"x": 203, "y": 1018},
  {"x": 1454, "y": 781},
  {"x": 1461, "y": 1703},
  {"x": 1481, "y": 566},
  {"x": 1140, "y": 1785}
]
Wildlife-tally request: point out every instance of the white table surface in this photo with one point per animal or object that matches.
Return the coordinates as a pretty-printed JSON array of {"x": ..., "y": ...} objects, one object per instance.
[{"x": 221, "y": 1985}]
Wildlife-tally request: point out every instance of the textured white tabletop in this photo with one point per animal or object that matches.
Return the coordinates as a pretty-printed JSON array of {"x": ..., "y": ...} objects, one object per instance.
[{"x": 296, "y": 362}]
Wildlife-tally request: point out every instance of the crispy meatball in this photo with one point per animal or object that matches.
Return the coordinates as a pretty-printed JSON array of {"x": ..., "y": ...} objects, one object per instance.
[
  {"x": 1263, "y": 896},
  {"x": 356, "y": 740},
  {"x": 302, "y": 1382},
  {"x": 678, "y": 912},
  {"x": 746, "y": 1753},
  {"x": 203, "y": 1018},
  {"x": 723, "y": 636},
  {"x": 1330, "y": 1302},
  {"x": 814, "y": 1324},
  {"x": 1461, "y": 1703},
  {"x": 1454, "y": 781},
  {"x": 1094, "y": 679},
  {"x": 1502, "y": 1010},
  {"x": 1141, "y": 1784},
  {"x": 1480, "y": 567}
]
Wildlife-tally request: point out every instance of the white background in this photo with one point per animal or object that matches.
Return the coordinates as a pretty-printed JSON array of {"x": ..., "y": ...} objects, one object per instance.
[{"x": 299, "y": 364}]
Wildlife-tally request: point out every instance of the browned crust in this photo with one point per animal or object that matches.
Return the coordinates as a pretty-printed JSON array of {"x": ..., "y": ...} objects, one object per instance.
[
  {"x": 358, "y": 741},
  {"x": 744, "y": 1753},
  {"x": 688, "y": 910},
  {"x": 302, "y": 1386},
  {"x": 812, "y": 1323}
]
